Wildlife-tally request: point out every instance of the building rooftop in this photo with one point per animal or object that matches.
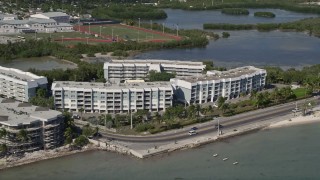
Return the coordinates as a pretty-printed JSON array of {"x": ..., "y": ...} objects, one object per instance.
[
  {"x": 20, "y": 75},
  {"x": 218, "y": 75},
  {"x": 28, "y": 21},
  {"x": 15, "y": 113},
  {"x": 53, "y": 14},
  {"x": 155, "y": 61},
  {"x": 106, "y": 86}
]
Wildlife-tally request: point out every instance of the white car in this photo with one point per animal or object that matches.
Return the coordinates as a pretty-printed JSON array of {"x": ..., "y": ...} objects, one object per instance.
[{"x": 192, "y": 132}]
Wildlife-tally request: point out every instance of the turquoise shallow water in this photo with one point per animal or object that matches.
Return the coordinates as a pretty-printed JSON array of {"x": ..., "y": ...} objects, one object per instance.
[{"x": 286, "y": 154}]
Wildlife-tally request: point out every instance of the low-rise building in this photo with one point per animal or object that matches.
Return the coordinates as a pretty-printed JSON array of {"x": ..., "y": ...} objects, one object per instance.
[
  {"x": 229, "y": 84},
  {"x": 33, "y": 25},
  {"x": 59, "y": 17},
  {"x": 6, "y": 17},
  {"x": 112, "y": 98},
  {"x": 20, "y": 85},
  {"x": 30, "y": 128},
  {"x": 120, "y": 70}
]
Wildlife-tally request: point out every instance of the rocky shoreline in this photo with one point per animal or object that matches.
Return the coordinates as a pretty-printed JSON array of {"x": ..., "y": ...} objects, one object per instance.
[{"x": 149, "y": 151}]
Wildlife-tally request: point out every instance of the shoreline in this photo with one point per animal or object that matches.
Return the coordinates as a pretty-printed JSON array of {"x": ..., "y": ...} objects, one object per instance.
[{"x": 142, "y": 153}]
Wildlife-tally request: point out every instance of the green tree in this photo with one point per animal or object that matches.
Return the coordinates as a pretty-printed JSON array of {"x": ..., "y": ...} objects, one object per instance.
[
  {"x": 81, "y": 112},
  {"x": 87, "y": 130},
  {"x": 221, "y": 101},
  {"x": 81, "y": 141},
  {"x": 23, "y": 135}
]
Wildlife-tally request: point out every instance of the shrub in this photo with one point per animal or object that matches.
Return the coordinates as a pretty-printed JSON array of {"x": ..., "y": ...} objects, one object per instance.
[{"x": 144, "y": 127}]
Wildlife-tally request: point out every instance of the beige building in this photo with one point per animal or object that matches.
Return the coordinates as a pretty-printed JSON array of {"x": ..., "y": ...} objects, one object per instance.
[{"x": 43, "y": 127}]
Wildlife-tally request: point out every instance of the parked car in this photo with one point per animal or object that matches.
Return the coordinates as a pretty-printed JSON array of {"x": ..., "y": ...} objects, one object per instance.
[{"x": 76, "y": 116}]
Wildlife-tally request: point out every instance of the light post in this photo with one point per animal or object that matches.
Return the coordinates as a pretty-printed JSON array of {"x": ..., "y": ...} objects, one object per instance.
[
  {"x": 79, "y": 25},
  {"x": 62, "y": 39},
  {"x": 89, "y": 29},
  {"x": 100, "y": 31},
  {"x": 131, "y": 125},
  {"x": 112, "y": 33},
  {"x": 218, "y": 127},
  {"x": 162, "y": 28},
  {"x": 139, "y": 22},
  {"x": 177, "y": 29}
]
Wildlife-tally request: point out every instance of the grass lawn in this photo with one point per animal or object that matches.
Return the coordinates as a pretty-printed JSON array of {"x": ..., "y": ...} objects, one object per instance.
[
  {"x": 300, "y": 92},
  {"x": 127, "y": 33}
]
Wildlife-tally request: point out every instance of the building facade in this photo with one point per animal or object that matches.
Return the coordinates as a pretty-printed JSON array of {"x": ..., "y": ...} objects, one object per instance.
[
  {"x": 118, "y": 71},
  {"x": 229, "y": 84},
  {"x": 33, "y": 25},
  {"x": 30, "y": 128},
  {"x": 59, "y": 17},
  {"x": 112, "y": 98},
  {"x": 20, "y": 85}
]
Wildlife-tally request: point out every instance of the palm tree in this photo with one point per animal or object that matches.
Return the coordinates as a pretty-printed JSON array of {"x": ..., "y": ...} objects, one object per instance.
[
  {"x": 198, "y": 108},
  {"x": 81, "y": 111},
  {"x": 224, "y": 107}
]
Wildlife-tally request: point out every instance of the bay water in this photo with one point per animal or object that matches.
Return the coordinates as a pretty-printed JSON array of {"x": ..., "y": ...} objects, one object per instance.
[{"x": 284, "y": 153}]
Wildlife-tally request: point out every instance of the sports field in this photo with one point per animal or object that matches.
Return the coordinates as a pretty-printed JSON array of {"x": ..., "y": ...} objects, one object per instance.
[
  {"x": 109, "y": 33},
  {"x": 128, "y": 33}
]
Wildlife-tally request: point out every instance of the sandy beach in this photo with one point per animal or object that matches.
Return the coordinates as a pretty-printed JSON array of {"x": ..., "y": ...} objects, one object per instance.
[{"x": 296, "y": 121}]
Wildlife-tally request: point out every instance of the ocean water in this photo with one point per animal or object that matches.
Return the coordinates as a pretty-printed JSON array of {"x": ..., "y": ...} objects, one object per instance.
[{"x": 285, "y": 154}]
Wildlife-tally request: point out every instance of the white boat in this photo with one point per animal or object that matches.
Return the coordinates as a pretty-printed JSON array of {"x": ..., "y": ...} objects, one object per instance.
[
  {"x": 235, "y": 163},
  {"x": 215, "y": 155},
  {"x": 224, "y": 159}
]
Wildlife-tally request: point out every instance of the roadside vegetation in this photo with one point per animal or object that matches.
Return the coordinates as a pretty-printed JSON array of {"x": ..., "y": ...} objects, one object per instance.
[
  {"x": 289, "y": 5},
  {"x": 127, "y": 11},
  {"x": 310, "y": 25},
  {"x": 265, "y": 14}
]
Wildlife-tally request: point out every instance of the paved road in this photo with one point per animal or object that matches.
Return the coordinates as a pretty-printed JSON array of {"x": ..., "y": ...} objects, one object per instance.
[{"x": 228, "y": 123}]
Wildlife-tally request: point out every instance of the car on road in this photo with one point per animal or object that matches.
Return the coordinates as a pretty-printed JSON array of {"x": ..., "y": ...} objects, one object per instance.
[
  {"x": 220, "y": 126},
  {"x": 192, "y": 132},
  {"x": 194, "y": 128}
]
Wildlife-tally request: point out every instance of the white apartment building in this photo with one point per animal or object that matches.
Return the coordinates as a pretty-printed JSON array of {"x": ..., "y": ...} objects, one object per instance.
[
  {"x": 112, "y": 98},
  {"x": 44, "y": 127},
  {"x": 229, "y": 84},
  {"x": 33, "y": 25},
  {"x": 120, "y": 70},
  {"x": 19, "y": 84}
]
